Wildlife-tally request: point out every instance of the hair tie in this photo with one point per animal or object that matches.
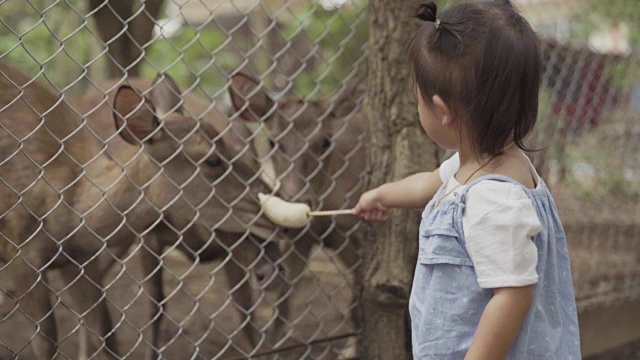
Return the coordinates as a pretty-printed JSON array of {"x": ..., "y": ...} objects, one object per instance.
[{"x": 437, "y": 23}]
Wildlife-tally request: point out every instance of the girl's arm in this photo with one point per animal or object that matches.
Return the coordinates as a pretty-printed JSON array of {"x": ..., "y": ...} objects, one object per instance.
[
  {"x": 414, "y": 191},
  {"x": 500, "y": 323}
]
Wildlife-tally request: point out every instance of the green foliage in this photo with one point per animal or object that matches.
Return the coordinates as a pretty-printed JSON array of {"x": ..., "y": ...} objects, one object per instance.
[
  {"x": 53, "y": 40},
  {"x": 605, "y": 187},
  {"x": 598, "y": 15},
  {"x": 340, "y": 37},
  {"x": 618, "y": 10},
  {"x": 62, "y": 40},
  {"x": 203, "y": 58},
  {"x": 617, "y": 184},
  {"x": 608, "y": 154},
  {"x": 193, "y": 57}
]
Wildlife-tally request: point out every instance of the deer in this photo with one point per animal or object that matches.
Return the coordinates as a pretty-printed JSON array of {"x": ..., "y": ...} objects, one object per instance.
[
  {"x": 66, "y": 199},
  {"x": 236, "y": 245},
  {"x": 319, "y": 155}
]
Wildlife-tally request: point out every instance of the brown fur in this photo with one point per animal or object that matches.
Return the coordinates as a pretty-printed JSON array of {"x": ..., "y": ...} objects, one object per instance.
[
  {"x": 198, "y": 241},
  {"x": 65, "y": 195},
  {"x": 325, "y": 178}
]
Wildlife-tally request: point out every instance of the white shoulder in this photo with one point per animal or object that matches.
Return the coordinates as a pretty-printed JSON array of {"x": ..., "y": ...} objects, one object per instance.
[
  {"x": 500, "y": 222},
  {"x": 449, "y": 168},
  {"x": 498, "y": 201}
]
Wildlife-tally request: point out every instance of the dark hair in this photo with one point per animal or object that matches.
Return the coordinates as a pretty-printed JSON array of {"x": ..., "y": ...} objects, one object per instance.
[{"x": 484, "y": 60}]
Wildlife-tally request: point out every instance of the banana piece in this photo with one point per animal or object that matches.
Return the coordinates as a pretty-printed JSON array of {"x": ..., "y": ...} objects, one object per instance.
[{"x": 286, "y": 214}]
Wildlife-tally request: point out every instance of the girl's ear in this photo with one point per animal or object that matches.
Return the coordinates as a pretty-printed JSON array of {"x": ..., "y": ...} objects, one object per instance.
[{"x": 443, "y": 110}]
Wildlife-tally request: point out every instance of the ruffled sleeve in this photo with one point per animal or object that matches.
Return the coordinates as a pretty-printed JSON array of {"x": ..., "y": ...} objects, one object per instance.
[{"x": 500, "y": 224}]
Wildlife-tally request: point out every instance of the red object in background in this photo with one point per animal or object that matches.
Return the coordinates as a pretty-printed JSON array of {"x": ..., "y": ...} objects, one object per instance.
[{"x": 580, "y": 83}]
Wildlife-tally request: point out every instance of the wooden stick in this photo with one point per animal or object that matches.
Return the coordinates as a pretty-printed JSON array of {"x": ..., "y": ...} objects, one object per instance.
[{"x": 331, "y": 212}]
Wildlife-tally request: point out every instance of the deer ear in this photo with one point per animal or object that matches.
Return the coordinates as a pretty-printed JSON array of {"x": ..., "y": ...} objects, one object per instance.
[
  {"x": 134, "y": 116},
  {"x": 347, "y": 98},
  {"x": 249, "y": 98},
  {"x": 166, "y": 95}
]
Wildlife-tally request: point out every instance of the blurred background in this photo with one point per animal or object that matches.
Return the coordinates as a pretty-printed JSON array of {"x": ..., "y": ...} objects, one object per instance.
[{"x": 588, "y": 134}]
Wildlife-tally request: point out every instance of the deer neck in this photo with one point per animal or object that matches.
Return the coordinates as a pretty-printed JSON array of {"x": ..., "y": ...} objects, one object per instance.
[{"x": 112, "y": 193}]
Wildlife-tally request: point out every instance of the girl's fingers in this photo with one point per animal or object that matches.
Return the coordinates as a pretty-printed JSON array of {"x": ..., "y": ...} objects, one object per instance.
[
  {"x": 379, "y": 215},
  {"x": 376, "y": 212},
  {"x": 382, "y": 213},
  {"x": 380, "y": 207}
]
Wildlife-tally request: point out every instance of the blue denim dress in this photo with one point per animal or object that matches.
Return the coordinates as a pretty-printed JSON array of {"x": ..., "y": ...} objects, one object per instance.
[{"x": 446, "y": 301}]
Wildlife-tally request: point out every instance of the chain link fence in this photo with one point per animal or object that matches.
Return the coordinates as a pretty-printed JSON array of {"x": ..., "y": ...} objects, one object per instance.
[
  {"x": 163, "y": 248},
  {"x": 589, "y": 127}
]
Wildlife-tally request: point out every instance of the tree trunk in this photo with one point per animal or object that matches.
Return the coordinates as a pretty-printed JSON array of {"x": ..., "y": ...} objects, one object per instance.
[
  {"x": 398, "y": 148},
  {"x": 142, "y": 31},
  {"x": 125, "y": 46},
  {"x": 110, "y": 18}
]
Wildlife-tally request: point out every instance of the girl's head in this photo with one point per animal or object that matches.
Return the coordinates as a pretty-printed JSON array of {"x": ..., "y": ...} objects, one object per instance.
[{"x": 477, "y": 71}]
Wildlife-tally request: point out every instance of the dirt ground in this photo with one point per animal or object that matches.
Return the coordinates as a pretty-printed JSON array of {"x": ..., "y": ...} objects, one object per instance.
[
  {"x": 201, "y": 321},
  {"x": 602, "y": 233},
  {"x": 629, "y": 352}
]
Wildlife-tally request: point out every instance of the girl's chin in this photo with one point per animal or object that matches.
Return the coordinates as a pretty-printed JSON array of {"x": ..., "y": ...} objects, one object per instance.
[{"x": 447, "y": 146}]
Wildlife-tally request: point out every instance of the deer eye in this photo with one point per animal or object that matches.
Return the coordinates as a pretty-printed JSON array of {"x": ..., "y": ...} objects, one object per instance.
[
  {"x": 326, "y": 144},
  {"x": 213, "y": 161}
]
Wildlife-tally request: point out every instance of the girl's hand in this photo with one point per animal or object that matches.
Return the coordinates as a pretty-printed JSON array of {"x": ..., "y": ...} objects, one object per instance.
[{"x": 370, "y": 208}]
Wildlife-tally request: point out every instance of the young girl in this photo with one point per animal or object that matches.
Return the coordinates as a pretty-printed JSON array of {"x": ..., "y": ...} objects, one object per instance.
[{"x": 493, "y": 279}]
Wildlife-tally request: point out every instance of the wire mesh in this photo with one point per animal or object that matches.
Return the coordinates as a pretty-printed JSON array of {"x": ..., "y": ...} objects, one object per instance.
[
  {"x": 136, "y": 136},
  {"x": 588, "y": 125},
  {"x": 104, "y": 226}
]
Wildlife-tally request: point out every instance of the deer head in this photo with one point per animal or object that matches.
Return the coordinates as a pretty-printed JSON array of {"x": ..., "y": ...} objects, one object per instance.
[{"x": 304, "y": 135}]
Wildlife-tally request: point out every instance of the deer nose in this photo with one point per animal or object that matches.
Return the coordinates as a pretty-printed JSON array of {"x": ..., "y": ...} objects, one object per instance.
[
  {"x": 265, "y": 273},
  {"x": 269, "y": 276}
]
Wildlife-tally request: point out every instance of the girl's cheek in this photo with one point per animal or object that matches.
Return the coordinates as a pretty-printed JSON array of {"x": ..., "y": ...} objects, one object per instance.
[{"x": 424, "y": 125}]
